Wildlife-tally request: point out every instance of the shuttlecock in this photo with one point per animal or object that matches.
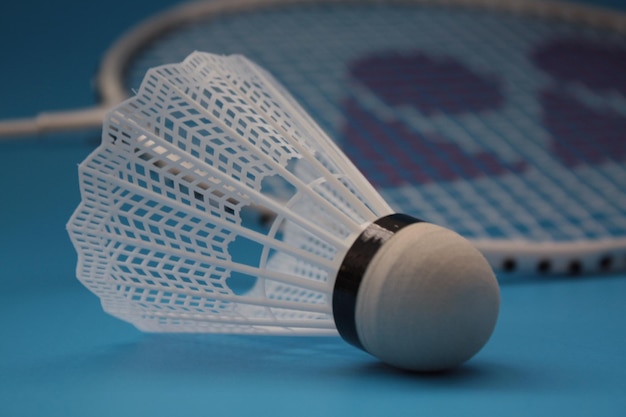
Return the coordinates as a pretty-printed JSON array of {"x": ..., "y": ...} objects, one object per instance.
[{"x": 166, "y": 234}]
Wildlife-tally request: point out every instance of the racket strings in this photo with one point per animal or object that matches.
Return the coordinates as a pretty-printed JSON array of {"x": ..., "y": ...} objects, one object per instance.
[{"x": 498, "y": 125}]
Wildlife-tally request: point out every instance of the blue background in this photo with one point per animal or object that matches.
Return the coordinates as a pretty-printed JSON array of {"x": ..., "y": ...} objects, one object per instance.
[{"x": 559, "y": 347}]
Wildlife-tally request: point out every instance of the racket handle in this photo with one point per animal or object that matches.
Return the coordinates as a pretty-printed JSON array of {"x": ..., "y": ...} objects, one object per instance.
[{"x": 52, "y": 122}]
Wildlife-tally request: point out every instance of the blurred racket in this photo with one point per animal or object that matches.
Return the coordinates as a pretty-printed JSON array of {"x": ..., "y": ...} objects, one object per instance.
[{"x": 503, "y": 120}]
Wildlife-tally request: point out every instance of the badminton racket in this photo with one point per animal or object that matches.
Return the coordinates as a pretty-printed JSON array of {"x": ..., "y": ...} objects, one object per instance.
[{"x": 502, "y": 120}]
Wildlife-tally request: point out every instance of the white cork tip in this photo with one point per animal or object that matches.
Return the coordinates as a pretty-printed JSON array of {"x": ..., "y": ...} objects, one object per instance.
[{"x": 429, "y": 300}]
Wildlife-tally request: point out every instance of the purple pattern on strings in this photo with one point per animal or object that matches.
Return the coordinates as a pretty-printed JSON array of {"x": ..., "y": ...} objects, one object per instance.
[
  {"x": 391, "y": 153},
  {"x": 600, "y": 67},
  {"x": 432, "y": 85},
  {"x": 413, "y": 157},
  {"x": 581, "y": 134}
]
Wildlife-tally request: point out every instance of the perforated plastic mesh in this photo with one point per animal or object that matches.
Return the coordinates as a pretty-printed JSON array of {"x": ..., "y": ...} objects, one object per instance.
[{"x": 168, "y": 231}]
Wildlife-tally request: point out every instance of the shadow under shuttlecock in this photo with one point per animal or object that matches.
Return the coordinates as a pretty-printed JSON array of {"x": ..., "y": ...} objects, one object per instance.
[
  {"x": 248, "y": 356},
  {"x": 215, "y": 354}
]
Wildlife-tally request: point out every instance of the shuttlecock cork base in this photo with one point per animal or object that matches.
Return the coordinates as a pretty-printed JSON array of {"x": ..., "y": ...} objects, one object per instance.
[
  {"x": 166, "y": 236},
  {"x": 415, "y": 295}
]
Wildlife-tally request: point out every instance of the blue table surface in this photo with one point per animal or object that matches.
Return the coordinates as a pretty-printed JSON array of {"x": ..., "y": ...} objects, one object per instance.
[{"x": 559, "y": 348}]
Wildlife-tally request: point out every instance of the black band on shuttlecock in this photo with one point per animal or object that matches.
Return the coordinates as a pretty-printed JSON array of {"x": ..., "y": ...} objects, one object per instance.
[{"x": 353, "y": 269}]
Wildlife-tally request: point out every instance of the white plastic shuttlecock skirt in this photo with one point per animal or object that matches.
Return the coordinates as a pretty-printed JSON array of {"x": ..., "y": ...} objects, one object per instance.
[{"x": 167, "y": 231}]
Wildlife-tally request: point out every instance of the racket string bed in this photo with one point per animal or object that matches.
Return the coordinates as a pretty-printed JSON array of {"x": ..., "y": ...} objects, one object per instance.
[{"x": 501, "y": 120}]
